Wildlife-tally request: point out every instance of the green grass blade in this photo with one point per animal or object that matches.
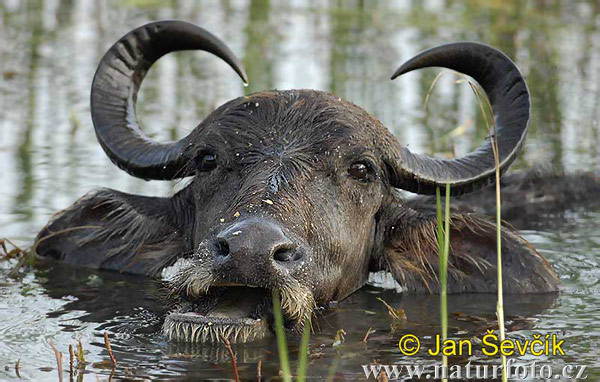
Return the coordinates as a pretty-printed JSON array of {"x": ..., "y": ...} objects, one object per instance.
[
  {"x": 303, "y": 356},
  {"x": 500, "y": 303},
  {"x": 440, "y": 224},
  {"x": 333, "y": 369},
  {"x": 443, "y": 237},
  {"x": 492, "y": 129},
  {"x": 281, "y": 340},
  {"x": 444, "y": 263}
]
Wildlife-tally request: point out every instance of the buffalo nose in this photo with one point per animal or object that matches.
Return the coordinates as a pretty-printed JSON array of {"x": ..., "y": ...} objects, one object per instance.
[{"x": 253, "y": 243}]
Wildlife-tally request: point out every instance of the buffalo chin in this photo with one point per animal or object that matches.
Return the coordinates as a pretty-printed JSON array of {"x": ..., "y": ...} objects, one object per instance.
[{"x": 238, "y": 313}]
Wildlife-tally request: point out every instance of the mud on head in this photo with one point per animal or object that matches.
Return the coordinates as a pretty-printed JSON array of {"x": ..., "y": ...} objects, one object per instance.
[{"x": 280, "y": 178}]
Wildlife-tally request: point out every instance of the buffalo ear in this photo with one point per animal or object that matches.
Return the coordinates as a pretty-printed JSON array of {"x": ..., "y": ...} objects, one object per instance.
[
  {"x": 410, "y": 254},
  {"x": 108, "y": 229}
]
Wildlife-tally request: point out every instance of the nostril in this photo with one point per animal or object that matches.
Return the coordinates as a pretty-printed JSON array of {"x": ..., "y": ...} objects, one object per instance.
[
  {"x": 222, "y": 247},
  {"x": 286, "y": 253}
]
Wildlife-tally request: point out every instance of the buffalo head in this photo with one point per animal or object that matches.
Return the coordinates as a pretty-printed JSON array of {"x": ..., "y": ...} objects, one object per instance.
[{"x": 293, "y": 191}]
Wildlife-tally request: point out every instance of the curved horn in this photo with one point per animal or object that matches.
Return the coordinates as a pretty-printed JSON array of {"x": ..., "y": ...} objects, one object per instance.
[
  {"x": 114, "y": 93},
  {"x": 508, "y": 95}
]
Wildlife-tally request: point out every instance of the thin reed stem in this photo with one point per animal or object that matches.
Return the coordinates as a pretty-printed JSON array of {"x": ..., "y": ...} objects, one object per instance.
[
  {"x": 443, "y": 236},
  {"x": 113, "y": 360},
  {"x": 281, "y": 340},
  {"x": 494, "y": 140},
  {"x": 493, "y": 133},
  {"x": 500, "y": 304},
  {"x": 303, "y": 356},
  {"x": 232, "y": 356}
]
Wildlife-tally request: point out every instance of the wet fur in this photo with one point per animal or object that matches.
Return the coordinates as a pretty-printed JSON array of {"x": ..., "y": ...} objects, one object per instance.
[
  {"x": 412, "y": 256},
  {"x": 292, "y": 148}
]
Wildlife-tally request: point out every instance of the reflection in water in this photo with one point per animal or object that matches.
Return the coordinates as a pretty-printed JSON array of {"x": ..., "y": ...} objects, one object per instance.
[
  {"x": 546, "y": 96},
  {"x": 49, "y": 155},
  {"x": 131, "y": 308},
  {"x": 23, "y": 198}
]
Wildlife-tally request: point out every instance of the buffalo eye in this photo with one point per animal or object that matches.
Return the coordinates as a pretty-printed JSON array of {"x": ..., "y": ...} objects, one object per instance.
[
  {"x": 206, "y": 162},
  {"x": 361, "y": 171}
]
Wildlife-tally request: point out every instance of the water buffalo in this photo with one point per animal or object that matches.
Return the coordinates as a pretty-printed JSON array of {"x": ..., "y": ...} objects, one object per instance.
[{"x": 293, "y": 191}]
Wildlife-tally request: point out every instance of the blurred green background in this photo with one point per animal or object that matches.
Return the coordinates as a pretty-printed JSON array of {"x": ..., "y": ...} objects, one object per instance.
[{"x": 49, "y": 51}]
